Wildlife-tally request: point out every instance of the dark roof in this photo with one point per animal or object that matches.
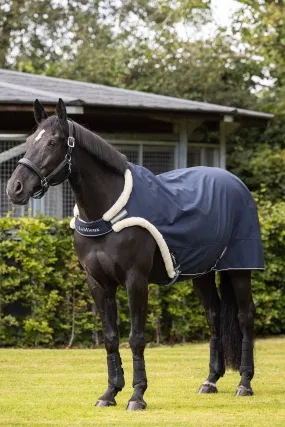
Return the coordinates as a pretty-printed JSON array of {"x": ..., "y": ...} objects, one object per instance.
[{"x": 23, "y": 88}]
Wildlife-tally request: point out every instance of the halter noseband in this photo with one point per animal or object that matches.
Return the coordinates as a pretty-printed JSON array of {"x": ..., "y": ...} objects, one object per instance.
[{"x": 46, "y": 180}]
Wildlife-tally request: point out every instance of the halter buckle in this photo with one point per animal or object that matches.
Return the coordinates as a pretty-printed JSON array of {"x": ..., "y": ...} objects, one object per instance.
[{"x": 71, "y": 142}]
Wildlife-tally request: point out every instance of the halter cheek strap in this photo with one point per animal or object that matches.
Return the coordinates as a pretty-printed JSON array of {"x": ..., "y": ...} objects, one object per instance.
[{"x": 46, "y": 180}]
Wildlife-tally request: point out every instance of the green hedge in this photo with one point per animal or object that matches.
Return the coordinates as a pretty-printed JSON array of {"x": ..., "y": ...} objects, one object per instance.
[{"x": 44, "y": 299}]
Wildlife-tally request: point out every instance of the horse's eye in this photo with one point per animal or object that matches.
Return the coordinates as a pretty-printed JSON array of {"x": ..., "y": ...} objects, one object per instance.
[{"x": 52, "y": 142}]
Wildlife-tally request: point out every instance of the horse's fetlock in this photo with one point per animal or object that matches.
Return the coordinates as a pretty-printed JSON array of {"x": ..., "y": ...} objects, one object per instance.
[
  {"x": 116, "y": 383},
  {"x": 246, "y": 372},
  {"x": 141, "y": 386}
]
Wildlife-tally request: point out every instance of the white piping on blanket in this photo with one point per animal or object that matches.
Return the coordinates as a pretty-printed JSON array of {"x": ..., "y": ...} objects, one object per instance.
[
  {"x": 134, "y": 221},
  {"x": 123, "y": 199},
  {"x": 141, "y": 222}
]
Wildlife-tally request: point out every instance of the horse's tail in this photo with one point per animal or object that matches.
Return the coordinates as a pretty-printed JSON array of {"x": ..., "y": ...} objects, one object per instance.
[{"x": 231, "y": 336}]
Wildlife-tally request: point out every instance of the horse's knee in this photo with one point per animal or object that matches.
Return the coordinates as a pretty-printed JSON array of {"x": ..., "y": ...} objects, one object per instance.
[
  {"x": 246, "y": 322},
  {"x": 111, "y": 342},
  {"x": 137, "y": 343},
  {"x": 213, "y": 319}
]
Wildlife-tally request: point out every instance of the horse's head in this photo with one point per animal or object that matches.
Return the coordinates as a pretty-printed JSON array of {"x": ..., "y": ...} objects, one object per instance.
[{"x": 47, "y": 159}]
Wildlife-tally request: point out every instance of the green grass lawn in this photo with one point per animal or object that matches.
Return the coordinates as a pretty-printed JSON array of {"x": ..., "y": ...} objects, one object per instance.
[{"x": 60, "y": 387}]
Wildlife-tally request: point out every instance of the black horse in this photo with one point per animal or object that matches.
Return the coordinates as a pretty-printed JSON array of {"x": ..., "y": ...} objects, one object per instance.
[{"x": 61, "y": 149}]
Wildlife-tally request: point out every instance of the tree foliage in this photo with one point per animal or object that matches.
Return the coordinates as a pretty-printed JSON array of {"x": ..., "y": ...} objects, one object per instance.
[
  {"x": 260, "y": 25},
  {"x": 257, "y": 156},
  {"x": 32, "y": 34}
]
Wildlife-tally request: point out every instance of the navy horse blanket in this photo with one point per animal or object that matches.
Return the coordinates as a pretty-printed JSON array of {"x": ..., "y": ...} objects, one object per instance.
[{"x": 206, "y": 215}]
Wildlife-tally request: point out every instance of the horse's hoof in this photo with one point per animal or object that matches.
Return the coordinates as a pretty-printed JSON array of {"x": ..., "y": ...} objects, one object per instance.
[
  {"x": 208, "y": 388},
  {"x": 244, "y": 391},
  {"x": 136, "y": 405},
  {"x": 104, "y": 403}
]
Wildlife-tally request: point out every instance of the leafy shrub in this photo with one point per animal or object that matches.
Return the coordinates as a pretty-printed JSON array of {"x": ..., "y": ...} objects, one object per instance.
[
  {"x": 268, "y": 287},
  {"x": 44, "y": 298}
]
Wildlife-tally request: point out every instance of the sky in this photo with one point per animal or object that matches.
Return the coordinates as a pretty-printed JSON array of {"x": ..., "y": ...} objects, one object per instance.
[{"x": 222, "y": 10}]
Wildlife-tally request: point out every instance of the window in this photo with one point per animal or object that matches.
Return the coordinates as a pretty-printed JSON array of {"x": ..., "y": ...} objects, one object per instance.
[
  {"x": 7, "y": 167},
  {"x": 59, "y": 200},
  {"x": 203, "y": 156},
  {"x": 53, "y": 202},
  {"x": 158, "y": 159},
  {"x": 130, "y": 151},
  {"x": 68, "y": 201},
  {"x": 194, "y": 156}
]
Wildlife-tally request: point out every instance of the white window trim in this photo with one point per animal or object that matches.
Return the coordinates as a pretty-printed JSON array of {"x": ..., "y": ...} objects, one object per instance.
[{"x": 13, "y": 136}]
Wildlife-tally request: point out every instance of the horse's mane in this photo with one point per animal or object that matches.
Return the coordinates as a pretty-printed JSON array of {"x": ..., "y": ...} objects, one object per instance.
[{"x": 100, "y": 149}]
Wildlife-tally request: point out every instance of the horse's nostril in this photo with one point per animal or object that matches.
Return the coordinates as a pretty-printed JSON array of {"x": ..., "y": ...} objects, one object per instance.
[{"x": 18, "y": 187}]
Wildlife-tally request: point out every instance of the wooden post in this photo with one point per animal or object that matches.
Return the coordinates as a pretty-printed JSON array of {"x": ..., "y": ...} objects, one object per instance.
[
  {"x": 227, "y": 126},
  {"x": 223, "y": 150},
  {"x": 182, "y": 145},
  {"x": 185, "y": 129},
  {"x": 140, "y": 156}
]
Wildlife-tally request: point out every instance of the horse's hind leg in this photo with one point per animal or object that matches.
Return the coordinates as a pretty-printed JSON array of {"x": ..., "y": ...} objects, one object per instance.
[
  {"x": 206, "y": 290},
  {"x": 105, "y": 300},
  {"x": 137, "y": 288},
  {"x": 241, "y": 282}
]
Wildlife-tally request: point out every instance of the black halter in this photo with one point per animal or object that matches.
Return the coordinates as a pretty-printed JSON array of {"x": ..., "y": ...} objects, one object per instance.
[{"x": 46, "y": 181}]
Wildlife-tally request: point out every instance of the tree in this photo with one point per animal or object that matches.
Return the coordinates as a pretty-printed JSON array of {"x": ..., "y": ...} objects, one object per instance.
[
  {"x": 46, "y": 36},
  {"x": 260, "y": 25},
  {"x": 111, "y": 47},
  {"x": 33, "y": 34},
  {"x": 258, "y": 156},
  {"x": 203, "y": 70}
]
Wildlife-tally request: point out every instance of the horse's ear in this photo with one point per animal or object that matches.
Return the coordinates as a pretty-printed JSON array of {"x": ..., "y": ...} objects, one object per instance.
[
  {"x": 61, "y": 110},
  {"x": 39, "y": 112}
]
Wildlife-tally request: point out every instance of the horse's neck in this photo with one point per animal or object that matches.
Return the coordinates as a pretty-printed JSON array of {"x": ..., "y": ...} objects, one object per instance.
[{"x": 95, "y": 186}]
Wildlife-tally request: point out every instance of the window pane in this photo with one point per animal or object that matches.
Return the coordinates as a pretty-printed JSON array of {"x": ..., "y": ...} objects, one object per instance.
[
  {"x": 68, "y": 201},
  {"x": 53, "y": 202},
  {"x": 6, "y": 170},
  {"x": 158, "y": 159},
  {"x": 130, "y": 151},
  {"x": 203, "y": 156},
  {"x": 194, "y": 156},
  {"x": 209, "y": 156}
]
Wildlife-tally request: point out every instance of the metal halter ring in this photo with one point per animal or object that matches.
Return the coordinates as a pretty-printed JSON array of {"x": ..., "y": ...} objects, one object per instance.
[{"x": 71, "y": 142}]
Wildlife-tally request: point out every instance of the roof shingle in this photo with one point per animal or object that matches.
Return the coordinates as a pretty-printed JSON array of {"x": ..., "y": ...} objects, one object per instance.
[{"x": 17, "y": 87}]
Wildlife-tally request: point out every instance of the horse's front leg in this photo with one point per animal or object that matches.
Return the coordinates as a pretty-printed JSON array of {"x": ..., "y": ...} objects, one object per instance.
[
  {"x": 105, "y": 300},
  {"x": 137, "y": 288}
]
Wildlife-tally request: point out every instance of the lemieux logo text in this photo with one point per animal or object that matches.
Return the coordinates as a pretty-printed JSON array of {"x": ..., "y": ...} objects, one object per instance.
[{"x": 89, "y": 230}]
